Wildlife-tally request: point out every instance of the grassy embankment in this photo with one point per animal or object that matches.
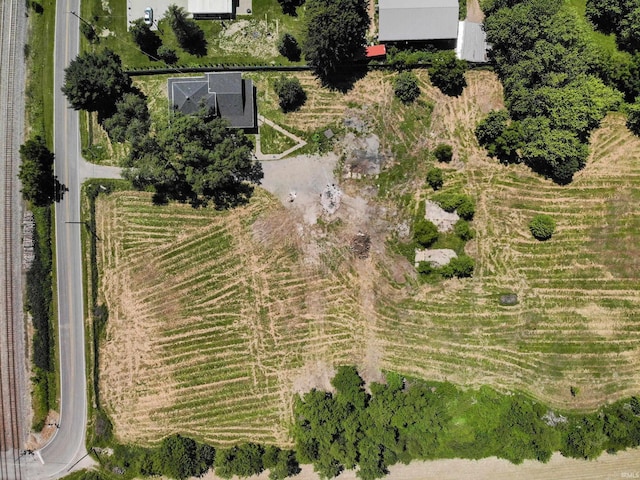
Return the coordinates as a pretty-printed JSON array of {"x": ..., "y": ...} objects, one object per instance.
[
  {"x": 40, "y": 290},
  {"x": 213, "y": 322}
]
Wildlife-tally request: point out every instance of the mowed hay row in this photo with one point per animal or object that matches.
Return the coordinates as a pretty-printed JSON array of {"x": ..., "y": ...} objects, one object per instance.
[
  {"x": 209, "y": 328},
  {"x": 576, "y": 323}
]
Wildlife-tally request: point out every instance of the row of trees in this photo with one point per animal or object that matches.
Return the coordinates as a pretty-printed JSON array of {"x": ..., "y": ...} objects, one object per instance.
[
  {"x": 181, "y": 457},
  {"x": 548, "y": 68},
  {"x": 404, "y": 420}
]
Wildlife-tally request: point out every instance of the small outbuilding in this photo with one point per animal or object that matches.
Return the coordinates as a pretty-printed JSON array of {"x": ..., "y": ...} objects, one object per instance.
[
  {"x": 202, "y": 9},
  {"x": 417, "y": 20},
  {"x": 227, "y": 94}
]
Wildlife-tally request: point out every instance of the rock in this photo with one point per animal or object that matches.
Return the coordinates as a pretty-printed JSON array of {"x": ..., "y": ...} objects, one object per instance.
[
  {"x": 437, "y": 257},
  {"x": 440, "y": 218},
  {"x": 508, "y": 299}
]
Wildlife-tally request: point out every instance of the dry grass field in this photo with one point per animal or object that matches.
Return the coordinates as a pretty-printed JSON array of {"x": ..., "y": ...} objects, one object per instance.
[{"x": 217, "y": 319}]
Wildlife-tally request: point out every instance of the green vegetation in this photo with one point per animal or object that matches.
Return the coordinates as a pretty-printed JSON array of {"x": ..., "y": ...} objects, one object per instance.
[
  {"x": 435, "y": 178},
  {"x": 462, "y": 204},
  {"x": 189, "y": 35},
  {"x": 443, "y": 153},
  {"x": 559, "y": 101},
  {"x": 463, "y": 230},
  {"x": 542, "y": 227},
  {"x": 131, "y": 121},
  {"x": 288, "y": 47},
  {"x": 147, "y": 40},
  {"x": 291, "y": 95},
  {"x": 272, "y": 141},
  {"x": 195, "y": 159},
  {"x": 405, "y": 87},
  {"x": 620, "y": 17},
  {"x": 501, "y": 138},
  {"x": 39, "y": 186},
  {"x": 633, "y": 117},
  {"x": 39, "y": 297},
  {"x": 39, "y": 280},
  {"x": 425, "y": 232},
  {"x": 335, "y": 34},
  {"x": 461, "y": 266},
  {"x": 406, "y": 419},
  {"x": 447, "y": 73}
]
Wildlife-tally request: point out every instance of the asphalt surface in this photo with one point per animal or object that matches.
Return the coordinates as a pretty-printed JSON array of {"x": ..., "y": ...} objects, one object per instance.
[{"x": 66, "y": 451}]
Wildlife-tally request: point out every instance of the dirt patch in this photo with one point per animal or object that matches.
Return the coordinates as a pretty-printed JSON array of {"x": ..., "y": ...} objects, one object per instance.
[
  {"x": 251, "y": 37},
  {"x": 439, "y": 217},
  {"x": 316, "y": 375}
]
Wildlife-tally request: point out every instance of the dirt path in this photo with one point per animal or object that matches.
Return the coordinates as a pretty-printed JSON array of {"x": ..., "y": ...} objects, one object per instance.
[{"x": 474, "y": 13}]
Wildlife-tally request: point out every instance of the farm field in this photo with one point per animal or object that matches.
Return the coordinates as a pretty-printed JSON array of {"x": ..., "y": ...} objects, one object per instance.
[{"x": 218, "y": 318}]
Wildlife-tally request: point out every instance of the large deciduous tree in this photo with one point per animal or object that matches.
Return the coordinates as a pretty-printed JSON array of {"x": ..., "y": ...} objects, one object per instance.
[
  {"x": 196, "y": 159},
  {"x": 336, "y": 32},
  {"x": 36, "y": 172},
  {"x": 130, "y": 121},
  {"x": 95, "y": 81}
]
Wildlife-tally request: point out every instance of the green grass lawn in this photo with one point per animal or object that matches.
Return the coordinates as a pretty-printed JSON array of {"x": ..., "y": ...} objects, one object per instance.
[
  {"x": 254, "y": 43},
  {"x": 272, "y": 141}
]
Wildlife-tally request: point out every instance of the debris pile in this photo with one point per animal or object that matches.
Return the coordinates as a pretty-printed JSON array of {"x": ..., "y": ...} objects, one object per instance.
[
  {"x": 28, "y": 227},
  {"x": 330, "y": 199},
  {"x": 361, "y": 244}
]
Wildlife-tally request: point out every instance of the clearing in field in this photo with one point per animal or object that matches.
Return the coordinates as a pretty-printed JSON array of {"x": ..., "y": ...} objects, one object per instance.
[{"x": 217, "y": 319}]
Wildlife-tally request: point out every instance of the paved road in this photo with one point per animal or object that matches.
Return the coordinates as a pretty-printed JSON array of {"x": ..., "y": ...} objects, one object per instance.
[{"x": 67, "y": 447}]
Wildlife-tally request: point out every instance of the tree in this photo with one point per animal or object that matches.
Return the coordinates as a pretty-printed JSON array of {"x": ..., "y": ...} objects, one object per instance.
[
  {"x": 289, "y": 6},
  {"x": 447, "y": 73},
  {"x": 460, "y": 267},
  {"x": 466, "y": 208},
  {"x": 434, "y": 178},
  {"x": 145, "y": 38},
  {"x": 491, "y": 127},
  {"x": 291, "y": 95},
  {"x": 177, "y": 457},
  {"x": 288, "y": 47},
  {"x": 405, "y": 87},
  {"x": 443, "y": 153},
  {"x": 95, "y": 81},
  {"x": 542, "y": 227},
  {"x": 39, "y": 185},
  {"x": 633, "y": 117},
  {"x": 188, "y": 33},
  {"x": 197, "y": 159},
  {"x": 463, "y": 230},
  {"x": 336, "y": 31},
  {"x": 131, "y": 120},
  {"x": 425, "y": 232},
  {"x": 242, "y": 460},
  {"x": 167, "y": 55}
]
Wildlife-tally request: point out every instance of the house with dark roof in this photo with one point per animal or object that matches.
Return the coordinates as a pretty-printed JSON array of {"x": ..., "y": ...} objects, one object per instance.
[
  {"x": 227, "y": 94},
  {"x": 417, "y": 20}
]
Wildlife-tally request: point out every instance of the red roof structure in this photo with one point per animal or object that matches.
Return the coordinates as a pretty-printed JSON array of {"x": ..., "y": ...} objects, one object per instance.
[{"x": 376, "y": 51}]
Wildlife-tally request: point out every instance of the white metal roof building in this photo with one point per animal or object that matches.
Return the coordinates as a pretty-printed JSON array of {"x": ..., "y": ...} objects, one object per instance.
[
  {"x": 210, "y": 7},
  {"x": 406, "y": 20}
]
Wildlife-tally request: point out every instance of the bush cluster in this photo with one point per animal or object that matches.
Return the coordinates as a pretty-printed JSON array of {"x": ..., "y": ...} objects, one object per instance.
[
  {"x": 291, "y": 95},
  {"x": 443, "y": 153},
  {"x": 542, "y": 227},
  {"x": 462, "y": 204},
  {"x": 405, "y": 87},
  {"x": 435, "y": 178}
]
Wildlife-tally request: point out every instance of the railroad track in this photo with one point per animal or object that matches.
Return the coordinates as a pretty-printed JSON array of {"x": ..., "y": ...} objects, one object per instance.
[{"x": 10, "y": 320}]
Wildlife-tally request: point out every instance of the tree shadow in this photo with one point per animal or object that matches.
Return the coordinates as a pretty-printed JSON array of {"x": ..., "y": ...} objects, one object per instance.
[
  {"x": 344, "y": 79},
  {"x": 59, "y": 190}
]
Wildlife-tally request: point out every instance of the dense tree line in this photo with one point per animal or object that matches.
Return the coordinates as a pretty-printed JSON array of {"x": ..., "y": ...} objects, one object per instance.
[
  {"x": 549, "y": 71},
  {"x": 406, "y": 419}
]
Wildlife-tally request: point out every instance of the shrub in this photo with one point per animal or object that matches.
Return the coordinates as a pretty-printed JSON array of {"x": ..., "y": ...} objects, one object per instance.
[
  {"x": 542, "y": 227},
  {"x": 434, "y": 178},
  {"x": 633, "y": 118},
  {"x": 463, "y": 230},
  {"x": 425, "y": 232},
  {"x": 425, "y": 268},
  {"x": 491, "y": 127},
  {"x": 288, "y": 47},
  {"x": 447, "y": 73},
  {"x": 466, "y": 208},
  {"x": 167, "y": 54},
  {"x": 461, "y": 266},
  {"x": 405, "y": 87},
  {"x": 443, "y": 153},
  {"x": 291, "y": 95}
]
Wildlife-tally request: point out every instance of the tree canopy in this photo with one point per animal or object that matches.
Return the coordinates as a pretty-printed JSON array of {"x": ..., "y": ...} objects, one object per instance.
[
  {"x": 447, "y": 73},
  {"x": 336, "y": 32},
  {"x": 291, "y": 95},
  {"x": 405, "y": 87},
  {"x": 196, "y": 159},
  {"x": 95, "y": 81},
  {"x": 131, "y": 119},
  {"x": 39, "y": 185}
]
